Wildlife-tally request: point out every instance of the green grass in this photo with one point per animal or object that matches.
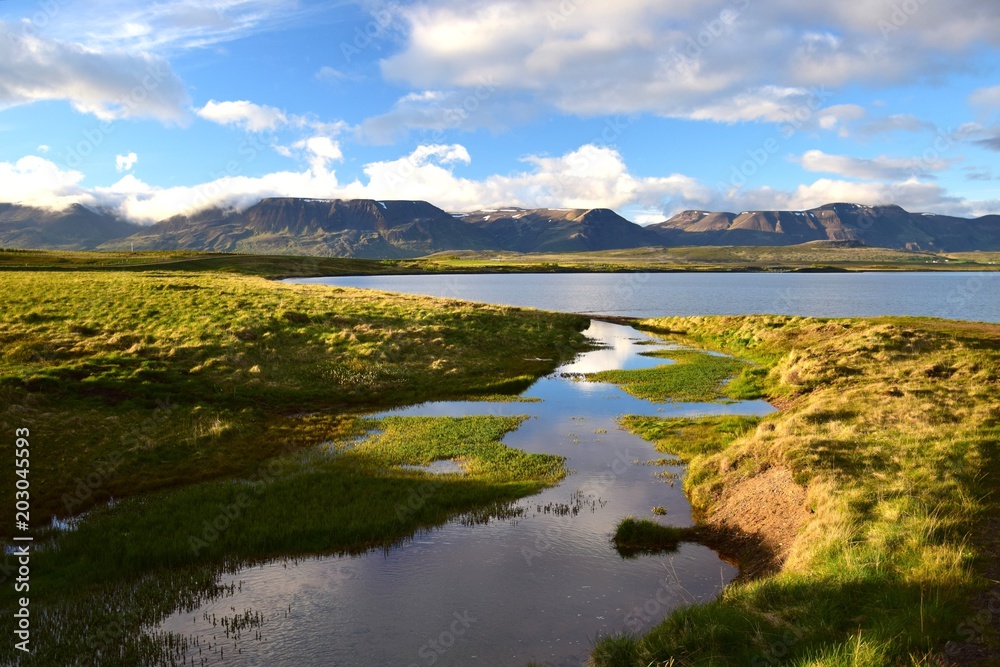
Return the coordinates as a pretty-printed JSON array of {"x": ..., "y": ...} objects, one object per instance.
[
  {"x": 892, "y": 427},
  {"x": 152, "y": 380},
  {"x": 694, "y": 377},
  {"x": 803, "y": 257},
  {"x": 268, "y": 266},
  {"x": 634, "y": 536},
  {"x": 693, "y": 440}
]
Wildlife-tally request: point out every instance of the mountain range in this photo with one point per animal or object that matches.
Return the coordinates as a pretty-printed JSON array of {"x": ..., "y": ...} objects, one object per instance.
[{"x": 397, "y": 229}]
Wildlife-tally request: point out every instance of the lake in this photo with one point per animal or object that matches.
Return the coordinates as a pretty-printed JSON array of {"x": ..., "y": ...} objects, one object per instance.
[{"x": 953, "y": 295}]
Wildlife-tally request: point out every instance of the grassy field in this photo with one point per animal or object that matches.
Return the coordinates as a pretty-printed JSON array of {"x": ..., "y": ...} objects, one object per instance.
[
  {"x": 889, "y": 430},
  {"x": 805, "y": 257},
  {"x": 170, "y": 378},
  {"x": 199, "y": 401},
  {"x": 267, "y": 266}
]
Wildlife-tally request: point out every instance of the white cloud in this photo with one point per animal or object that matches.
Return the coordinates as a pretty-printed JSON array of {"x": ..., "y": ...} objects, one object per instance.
[
  {"x": 243, "y": 114},
  {"x": 877, "y": 168},
  {"x": 900, "y": 122},
  {"x": 167, "y": 26},
  {"x": 125, "y": 162},
  {"x": 745, "y": 60},
  {"x": 146, "y": 203},
  {"x": 989, "y": 98},
  {"x": 321, "y": 151},
  {"x": 333, "y": 75},
  {"x": 34, "y": 181},
  {"x": 109, "y": 84},
  {"x": 911, "y": 194},
  {"x": 588, "y": 177},
  {"x": 327, "y": 73},
  {"x": 438, "y": 111}
]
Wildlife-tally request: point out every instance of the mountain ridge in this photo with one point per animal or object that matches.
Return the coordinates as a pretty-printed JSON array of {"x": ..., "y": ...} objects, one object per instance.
[{"x": 393, "y": 229}]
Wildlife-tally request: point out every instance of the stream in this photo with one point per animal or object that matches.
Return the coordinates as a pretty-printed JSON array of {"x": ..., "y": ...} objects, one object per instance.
[{"x": 538, "y": 587}]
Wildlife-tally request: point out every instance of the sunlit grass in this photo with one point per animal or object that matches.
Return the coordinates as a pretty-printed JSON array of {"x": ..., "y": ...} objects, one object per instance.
[
  {"x": 694, "y": 376},
  {"x": 174, "y": 378}
]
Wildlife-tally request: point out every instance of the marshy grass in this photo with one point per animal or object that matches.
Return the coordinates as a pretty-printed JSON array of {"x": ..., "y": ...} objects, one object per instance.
[
  {"x": 803, "y": 257},
  {"x": 358, "y": 499},
  {"x": 891, "y": 426}
]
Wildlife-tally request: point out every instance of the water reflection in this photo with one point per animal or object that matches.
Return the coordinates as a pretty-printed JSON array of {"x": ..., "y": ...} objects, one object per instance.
[{"x": 539, "y": 587}]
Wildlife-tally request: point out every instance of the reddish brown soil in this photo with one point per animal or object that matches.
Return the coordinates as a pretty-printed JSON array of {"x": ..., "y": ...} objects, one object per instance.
[{"x": 757, "y": 520}]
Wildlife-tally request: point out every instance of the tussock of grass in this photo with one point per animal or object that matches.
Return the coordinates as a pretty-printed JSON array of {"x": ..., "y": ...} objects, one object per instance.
[
  {"x": 693, "y": 377},
  {"x": 892, "y": 426},
  {"x": 634, "y": 536}
]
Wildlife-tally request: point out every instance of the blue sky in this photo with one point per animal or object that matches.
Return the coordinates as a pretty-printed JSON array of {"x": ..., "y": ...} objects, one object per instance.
[{"x": 643, "y": 106}]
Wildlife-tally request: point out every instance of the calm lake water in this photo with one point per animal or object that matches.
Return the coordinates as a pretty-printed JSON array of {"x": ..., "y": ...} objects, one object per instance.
[
  {"x": 539, "y": 587},
  {"x": 964, "y": 296}
]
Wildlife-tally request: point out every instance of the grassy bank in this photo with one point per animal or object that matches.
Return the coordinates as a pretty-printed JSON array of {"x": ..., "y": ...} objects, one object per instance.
[
  {"x": 198, "y": 401},
  {"x": 883, "y": 462}
]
